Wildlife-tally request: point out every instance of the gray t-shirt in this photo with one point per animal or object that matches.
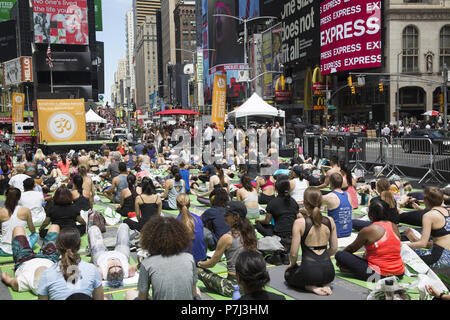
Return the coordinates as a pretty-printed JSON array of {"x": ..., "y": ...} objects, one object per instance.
[
  {"x": 172, "y": 278},
  {"x": 113, "y": 169}
]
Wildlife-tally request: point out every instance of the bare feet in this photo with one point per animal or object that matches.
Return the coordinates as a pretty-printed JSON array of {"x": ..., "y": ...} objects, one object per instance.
[{"x": 320, "y": 291}]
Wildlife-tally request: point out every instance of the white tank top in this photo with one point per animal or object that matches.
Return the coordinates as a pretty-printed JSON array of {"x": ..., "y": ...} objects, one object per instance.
[
  {"x": 299, "y": 190},
  {"x": 7, "y": 230}
]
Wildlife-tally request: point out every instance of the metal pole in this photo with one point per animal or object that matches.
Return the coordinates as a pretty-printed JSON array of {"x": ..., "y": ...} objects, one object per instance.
[
  {"x": 51, "y": 79},
  {"x": 28, "y": 103},
  {"x": 397, "y": 107},
  {"x": 245, "y": 55},
  {"x": 444, "y": 87}
]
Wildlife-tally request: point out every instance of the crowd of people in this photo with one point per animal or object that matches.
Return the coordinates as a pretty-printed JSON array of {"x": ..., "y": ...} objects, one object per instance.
[{"x": 306, "y": 204}]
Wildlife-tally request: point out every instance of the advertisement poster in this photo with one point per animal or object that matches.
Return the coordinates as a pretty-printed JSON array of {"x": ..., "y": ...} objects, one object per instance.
[
  {"x": 350, "y": 35},
  {"x": 62, "y": 120},
  {"x": 267, "y": 63},
  {"x": 8, "y": 40},
  {"x": 62, "y": 22},
  {"x": 98, "y": 15},
  {"x": 5, "y": 8},
  {"x": 17, "y": 107},
  {"x": 12, "y": 72},
  {"x": 201, "y": 100},
  {"x": 219, "y": 101},
  {"x": 249, "y": 9}
]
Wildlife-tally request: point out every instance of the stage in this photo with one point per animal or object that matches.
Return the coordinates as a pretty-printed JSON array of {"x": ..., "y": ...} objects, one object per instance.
[{"x": 65, "y": 147}]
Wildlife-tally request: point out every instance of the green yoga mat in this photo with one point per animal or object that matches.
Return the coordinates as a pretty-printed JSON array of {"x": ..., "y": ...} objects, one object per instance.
[{"x": 17, "y": 295}]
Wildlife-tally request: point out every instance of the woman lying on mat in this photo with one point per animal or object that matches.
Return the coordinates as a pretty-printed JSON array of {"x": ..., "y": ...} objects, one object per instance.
[
  {"x": 241, "y": 237},
  {"x": 252, "y": 276},
  {"x": 435, "y": 224},
  {"x": 169, "y": 270},
  {"x": 381, "y": 240},
  {"x": 29, "y": 266},
  {"x": 71, "y": 274},
  {"x": 313, "y": 233}
]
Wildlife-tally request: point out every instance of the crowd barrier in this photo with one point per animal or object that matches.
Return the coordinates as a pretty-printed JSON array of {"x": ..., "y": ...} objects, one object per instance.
[{"x": 383, "y": 156}]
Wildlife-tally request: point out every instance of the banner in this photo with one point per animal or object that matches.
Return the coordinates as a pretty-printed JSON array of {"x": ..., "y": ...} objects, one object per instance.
[
  {"x": 62, "y": 120},
  {"x": 5, "y": 8},
  {"x": 98, "y": 15},
  {"x": 219, "y": 101},
  {"x": 17, "y": 107},
  {"x": 60, "y": 21},
  {"x": 267, "y": 63},
  {"x": 200, "y": 100},
  {"x": 350, "y": 35}
]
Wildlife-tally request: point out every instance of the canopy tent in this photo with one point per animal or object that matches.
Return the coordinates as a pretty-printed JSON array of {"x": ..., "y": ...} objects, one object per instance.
[
  {"x": 92, "y": 117},
  {"x": 176, "y": 112},
  {"x": 255, "y": 106}
]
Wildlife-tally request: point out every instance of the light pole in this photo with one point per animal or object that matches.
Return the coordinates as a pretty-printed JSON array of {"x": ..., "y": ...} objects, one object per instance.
[
  {"x": 397, "y": 107},
  {"x": 444, "y": 88},
  {"x": 244, "y": 21}
]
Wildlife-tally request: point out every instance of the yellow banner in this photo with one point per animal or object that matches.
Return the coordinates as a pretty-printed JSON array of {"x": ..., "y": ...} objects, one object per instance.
[
  {"x": 17, "y": 108},
  {"x": 62, "y": 120},
  {"x": 219, "y": 101}
]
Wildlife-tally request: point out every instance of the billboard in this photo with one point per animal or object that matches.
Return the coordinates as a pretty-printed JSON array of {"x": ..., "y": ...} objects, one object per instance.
[
  {"x": 267, "y": 62},
  {"x": 249, "y": 9},
  {"x": 61, "y": 22},
  {"x": 62, "y": 120},
  {"x": 17, "y": 107},
  {"x": 17, "y": 71},
  {"x": 350, "y": 35},
  {"x": 5, "y": 8},
  {"x": 219, "y": 101},
  {"x": 64, "y": 61},
  {"x": 98, "y": 15},
  {"x": 300, "y": 24},
  {"x": 8, "y": 42}
]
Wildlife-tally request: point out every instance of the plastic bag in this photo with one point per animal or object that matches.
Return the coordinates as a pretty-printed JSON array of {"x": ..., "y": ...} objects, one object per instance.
[
  {"x": 270, "y": 244},
  {"x": 111, "y": 217},
  {"x": 390, "y": 289}
]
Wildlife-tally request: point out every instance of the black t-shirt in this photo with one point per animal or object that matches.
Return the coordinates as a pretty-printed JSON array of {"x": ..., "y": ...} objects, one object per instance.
[
  {"x": 284, "y": 213},
  {"x": 262, "y": 295},
  {"x": 393, "y": 212},
  {"x": 215, "y": 220},
  {"x": 299, "y": 130},
  {"x": 64, "y": 216}
]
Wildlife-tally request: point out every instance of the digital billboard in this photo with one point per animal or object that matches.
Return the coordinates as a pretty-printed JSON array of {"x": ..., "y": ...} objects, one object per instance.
[
  {"x": 5, "y": 8},
  {"x": 8, "y": 41},
  {"x": 61, "y": 22},
  {"x": 350, "y": 35}
]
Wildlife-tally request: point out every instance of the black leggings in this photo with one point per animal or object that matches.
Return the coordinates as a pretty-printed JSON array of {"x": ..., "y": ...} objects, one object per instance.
[
  {"x": 310, "y": 273},
  {"x": 358, "y": 267},
  {"x": 413, "y": 218},
  {"x": 264, "y": 198}
]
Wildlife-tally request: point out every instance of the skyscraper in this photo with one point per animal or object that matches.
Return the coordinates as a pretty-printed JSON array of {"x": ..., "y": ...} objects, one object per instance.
[{"x": 144, "y": 8}]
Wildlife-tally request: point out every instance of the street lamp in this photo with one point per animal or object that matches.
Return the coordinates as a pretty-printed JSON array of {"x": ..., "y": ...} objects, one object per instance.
[
  {"x": 397, "y": 107},
  {"x": 244, "y": 21}
]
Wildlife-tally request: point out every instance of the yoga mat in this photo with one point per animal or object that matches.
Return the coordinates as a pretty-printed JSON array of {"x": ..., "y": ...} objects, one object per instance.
[{"x": 342, "y": 290}]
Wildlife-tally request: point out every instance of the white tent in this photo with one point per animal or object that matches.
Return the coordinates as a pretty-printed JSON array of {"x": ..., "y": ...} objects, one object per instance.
[
  {"x": 92, "y": 117},
  {"x": 256, "y": 106}
]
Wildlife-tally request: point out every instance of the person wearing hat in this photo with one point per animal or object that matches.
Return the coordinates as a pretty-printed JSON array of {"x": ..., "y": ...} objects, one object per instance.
[{"x": 241, "y": 238}]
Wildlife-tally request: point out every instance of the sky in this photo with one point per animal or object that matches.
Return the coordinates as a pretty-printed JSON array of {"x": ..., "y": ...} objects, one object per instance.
[{"x": 113, "y": 35}]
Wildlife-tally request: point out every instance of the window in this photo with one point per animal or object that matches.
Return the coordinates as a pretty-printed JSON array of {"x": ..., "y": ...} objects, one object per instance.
[
  {"x": 444, "y": 47},
  {"x": 410, "y": 39}
]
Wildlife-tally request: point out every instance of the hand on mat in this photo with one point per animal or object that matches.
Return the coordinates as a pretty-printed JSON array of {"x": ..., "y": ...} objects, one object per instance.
[{"x": 432, "y": 291}]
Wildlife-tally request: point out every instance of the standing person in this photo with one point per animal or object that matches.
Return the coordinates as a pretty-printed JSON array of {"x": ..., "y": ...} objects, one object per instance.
[
  {"x": 213, "y": 219},
  {"x": 63, "y": 213},
  {"x": 339, "y": 206},
  {"x": 139, "y": 147},
  {"x": 248, "y": 195},
  {"x": 298, "y": 184},
  {"x": 119, "y": 183},
  {"x": 252, "y": 277},
  {"x": 33, "y": 200},
  {"x": 208, "y": 134},
  {"x": 14, "y": 215},
  {"x": 313, "y": 232},
  {"x": 194, "y": 226},
  {"x": 169, "y": 270},
  {"x": 172, "y": 188},
  {"x": 147, "y": 205},
  {"x": 435, "y": 224},
  {"x": 381, "y": 240},
  {"x": 284, "y": 210},
  {"x": 71, "y": 274},
  {"x": 241, "y": 237}
]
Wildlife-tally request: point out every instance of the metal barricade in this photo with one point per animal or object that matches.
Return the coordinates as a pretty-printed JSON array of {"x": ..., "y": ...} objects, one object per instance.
[
  {"x": 441, "y": 156},
  {"x": 312, "y": 146},
  {"x": 369, "y": 153}
]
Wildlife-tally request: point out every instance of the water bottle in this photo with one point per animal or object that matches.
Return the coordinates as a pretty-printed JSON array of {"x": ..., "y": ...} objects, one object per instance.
[{"x": 236, "y": 293}]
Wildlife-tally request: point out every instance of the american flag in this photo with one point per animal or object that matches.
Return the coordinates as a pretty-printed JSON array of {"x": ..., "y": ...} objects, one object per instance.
[{"x": 49, "y": 56}]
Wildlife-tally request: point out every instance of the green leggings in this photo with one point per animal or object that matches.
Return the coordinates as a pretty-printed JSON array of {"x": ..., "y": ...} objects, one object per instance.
[{"x": 214, "y": 282}]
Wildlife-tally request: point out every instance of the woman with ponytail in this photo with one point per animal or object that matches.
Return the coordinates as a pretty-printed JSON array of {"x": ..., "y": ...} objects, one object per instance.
[
  {"x": 88, "y": 184},
  {"x": 82, "y": 199},
  {"x": 172, "y": 188},
  {"x": 313, "y": 232},
  {"x": 71, "y": 274},
  {"x": 194, "y": 225},
  {"x": 284, "y": 210},
  {"x": 249, "y": 196},
  {"x": 11, "y": 216},
  {"x": 218, "y": 180},
  {"x": 241, "y": 238},
  {"x": 128, "y": 197}
]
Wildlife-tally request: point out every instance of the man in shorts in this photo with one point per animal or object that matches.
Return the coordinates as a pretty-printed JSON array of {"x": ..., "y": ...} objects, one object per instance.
[{"x": 28, "y": 265}]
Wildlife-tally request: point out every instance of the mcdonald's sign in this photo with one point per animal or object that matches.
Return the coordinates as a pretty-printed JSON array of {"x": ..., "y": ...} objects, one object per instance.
[{"x": 319, "y": 103}]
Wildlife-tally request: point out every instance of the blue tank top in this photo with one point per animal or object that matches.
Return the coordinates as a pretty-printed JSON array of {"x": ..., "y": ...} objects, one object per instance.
[
  {"x": 342, "y": 215},
  {"x": 185, "y": 175},
  {"x": 123, "y": 184}
]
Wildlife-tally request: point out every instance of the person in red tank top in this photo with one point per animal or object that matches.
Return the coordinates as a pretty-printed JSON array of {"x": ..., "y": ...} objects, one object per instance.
[{"x": 383, "y": 246}]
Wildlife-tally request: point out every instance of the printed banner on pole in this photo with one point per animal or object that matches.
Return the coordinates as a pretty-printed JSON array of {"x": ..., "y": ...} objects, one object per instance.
[
  {"x": 17, "y": 107},
  {"x": 62, "y": 120},
  {"x": 219, "y": 101}
]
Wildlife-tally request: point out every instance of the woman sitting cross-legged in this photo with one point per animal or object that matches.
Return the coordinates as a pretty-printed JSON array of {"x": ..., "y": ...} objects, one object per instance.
[
  {"x": 313, "y": 233},
  {"x": 381, "y": 240}
]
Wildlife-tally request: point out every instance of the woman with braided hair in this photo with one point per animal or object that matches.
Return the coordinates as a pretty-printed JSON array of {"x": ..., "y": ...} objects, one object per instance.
[{"x": 71, "y": 274}]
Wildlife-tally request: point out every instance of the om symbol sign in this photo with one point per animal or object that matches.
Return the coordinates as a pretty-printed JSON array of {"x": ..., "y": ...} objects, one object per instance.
[{"x": 62, "y": 126}]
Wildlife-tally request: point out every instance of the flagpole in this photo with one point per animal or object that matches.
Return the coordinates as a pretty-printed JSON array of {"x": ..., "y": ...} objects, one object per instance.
[{"x": 51, "y": 79}]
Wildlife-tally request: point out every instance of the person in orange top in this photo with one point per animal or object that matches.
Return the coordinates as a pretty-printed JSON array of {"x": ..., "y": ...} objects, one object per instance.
[
  {"x": 382, "y": 243},
  {"x": 120, "y": 148}
]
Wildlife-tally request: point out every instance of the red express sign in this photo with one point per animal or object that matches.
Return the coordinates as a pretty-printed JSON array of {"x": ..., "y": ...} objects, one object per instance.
[{"x": 350, "y": 35}]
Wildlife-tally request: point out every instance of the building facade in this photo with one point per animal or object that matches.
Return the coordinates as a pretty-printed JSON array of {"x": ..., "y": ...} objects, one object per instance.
[
  {"x": 185, "y": 31},
  {"x": 146, "y": 61},
  {"x": 129, "y": 24},
  {"x": 168, "y": 43}
]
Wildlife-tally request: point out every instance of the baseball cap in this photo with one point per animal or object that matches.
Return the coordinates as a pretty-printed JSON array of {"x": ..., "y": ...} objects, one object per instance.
[
  {"x": 236, "y": 207},
  {"x": 299, "y": 120}
]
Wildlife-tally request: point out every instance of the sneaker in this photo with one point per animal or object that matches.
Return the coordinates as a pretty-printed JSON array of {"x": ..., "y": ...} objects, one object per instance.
[{"x": 285, "y": 258}]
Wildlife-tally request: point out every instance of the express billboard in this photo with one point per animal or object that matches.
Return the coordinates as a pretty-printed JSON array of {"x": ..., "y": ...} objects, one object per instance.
[
  {"x": 61, "y": 22},
  {"x": 350, "y": 35}
]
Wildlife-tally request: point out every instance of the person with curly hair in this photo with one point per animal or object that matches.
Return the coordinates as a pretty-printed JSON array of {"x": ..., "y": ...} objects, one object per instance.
[{"x": 169, "y": 269}]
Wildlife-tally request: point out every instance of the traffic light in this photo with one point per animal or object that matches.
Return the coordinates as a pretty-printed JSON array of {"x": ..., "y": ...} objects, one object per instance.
[
  {"x": 350, "y": 81},
  {"x": 353, "y": 90},
  {"x": 380, "y": 85}
]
